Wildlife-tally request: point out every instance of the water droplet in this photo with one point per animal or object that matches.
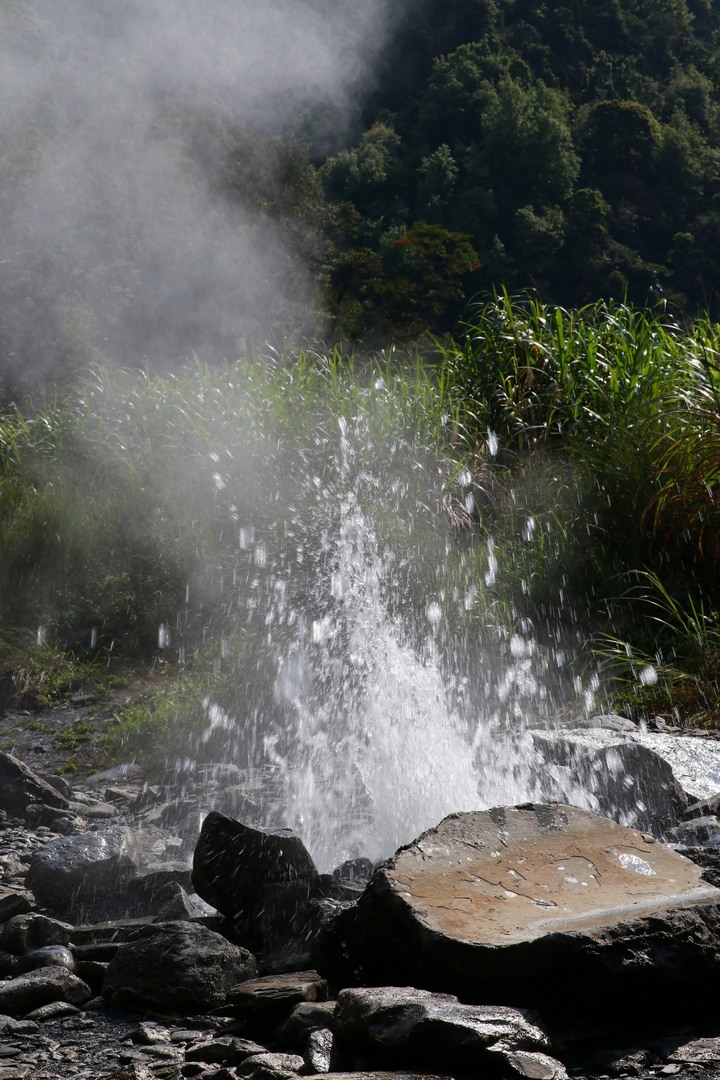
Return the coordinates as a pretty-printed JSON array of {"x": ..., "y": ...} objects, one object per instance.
[
  {"x": 433, "y": 613},
  {"x": 648, "y": 675}
]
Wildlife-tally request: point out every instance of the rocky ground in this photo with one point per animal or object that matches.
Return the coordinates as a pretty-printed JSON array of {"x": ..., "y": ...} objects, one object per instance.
[{"x": 99, "y": 1028}]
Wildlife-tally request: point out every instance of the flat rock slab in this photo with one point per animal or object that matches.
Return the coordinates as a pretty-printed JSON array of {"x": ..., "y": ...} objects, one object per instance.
[
  {"x": 279, "y": 991},
  {"x": 411, "y": 1028},
  {"x": 513, "y": 875},
  {"x": 518, "y": 904}
]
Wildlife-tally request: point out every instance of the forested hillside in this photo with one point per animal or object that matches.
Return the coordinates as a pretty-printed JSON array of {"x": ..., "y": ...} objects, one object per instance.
[
  {"x": 575, "y": 146},
  {"x": 159, "y": 202}
]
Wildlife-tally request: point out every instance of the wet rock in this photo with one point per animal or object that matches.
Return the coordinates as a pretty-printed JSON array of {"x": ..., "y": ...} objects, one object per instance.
[
  {"x": 318, "y": 1052},
  {"x": 224, "y": 1051},
  {"x": 614, "y": 722},
  {"x": 269, "y": 1066},
  {"x": 305, "y": 1018},
  {"x": 9, "y": 1025},
  {"x": 80, "y": 876},
  {"x": 265, "y": 883},
  {"x": 275, "y": 995},
  {"x": 10, "y": 965},
  {"x": 23, "y": 933},
  {"x": 540, "y": 904},
  {"x": 355, "y": 870},
  {"x": 49, "y": 956},
  {"x": 404, "y": 1026},
  {"x": 21, "y": 789},
  {"x": 535, "y": 1066},
  {"x": 234, "y": 864},
  {"x": 643, "y": 778},
  {"x": 92, "y": 972},
  {"x": 704, "y": 1051},
  {"x": 696, "y": 830},
  {"x": 14, "y": 900},
  {"x": 21, "y": 995},
  {"x": 54, "y": 1010},
  {"x": 177, "y": 966},
  {"x": 618, "y": 776},
  {"x": 95, "y": 811},
  {"x": 172, "y": 902},
  {"x": 127, "y": 771}
]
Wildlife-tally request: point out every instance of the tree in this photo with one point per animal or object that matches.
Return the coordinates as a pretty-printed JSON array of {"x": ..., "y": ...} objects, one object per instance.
[
  {"x": 427, "y": 272},
  {"x": 527, "y": 149},
  {"x": 618, "y": 136},
  {"x": 436, "y": 186}
]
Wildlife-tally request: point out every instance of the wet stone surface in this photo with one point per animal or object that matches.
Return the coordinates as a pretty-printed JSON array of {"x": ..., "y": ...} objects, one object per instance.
[{"x": 271, "y": 1026}]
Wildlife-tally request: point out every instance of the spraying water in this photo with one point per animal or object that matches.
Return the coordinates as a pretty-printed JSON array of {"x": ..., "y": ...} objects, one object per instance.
[{"x": 376, "y": 698}]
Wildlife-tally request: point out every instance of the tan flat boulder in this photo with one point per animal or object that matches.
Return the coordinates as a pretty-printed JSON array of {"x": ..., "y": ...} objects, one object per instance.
[{"x": 530, "y": 905}]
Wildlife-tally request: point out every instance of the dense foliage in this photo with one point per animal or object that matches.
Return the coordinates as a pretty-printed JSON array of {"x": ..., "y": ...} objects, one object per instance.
[
  {"x": 556, "y": 470},
  {"x": 577, "y": 147}
]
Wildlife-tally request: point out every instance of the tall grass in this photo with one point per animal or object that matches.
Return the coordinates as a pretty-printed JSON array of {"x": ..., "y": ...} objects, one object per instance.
[
  {"x": 564, "y": 450},
  {"x": 123, "y": 505},
  {"x": 609, "y": 417}
]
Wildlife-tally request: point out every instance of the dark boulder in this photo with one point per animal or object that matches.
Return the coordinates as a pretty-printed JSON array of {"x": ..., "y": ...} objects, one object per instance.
[
  {"x": 177, "y": 967},
  {"x": 33, "y": 931},
  {"x": 406, "y": 1027},
  {"x": 83, "y": 876},
  {"x": 266, "y": 885},
  {"x": 234, "y": 863},
  {"x": 21, "y": 995}
]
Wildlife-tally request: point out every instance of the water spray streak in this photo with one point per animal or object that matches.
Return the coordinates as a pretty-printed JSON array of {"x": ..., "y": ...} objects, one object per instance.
[{"x": 391, "y": 703}]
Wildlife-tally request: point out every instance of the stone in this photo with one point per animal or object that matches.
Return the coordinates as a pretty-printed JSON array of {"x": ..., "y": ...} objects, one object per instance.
[
  {"x": 270, "y": 1066},
  {"x": 9, "y": 1025},
  {"x": 403, "y": 1026},
  {"x": 305, "y": 1018},
  {"x": 615, "y": 774},
  {"x": 127, "y": 771},
  {"x": 177, "y": 967},
  {"x": 174, "y": 903},
  {"x": 224, "y": 1051},
  {"x": 24, "y": 933},
  {"x": 10, "y": 965},
  {"x": 21, "y": 788},
  {"x": 540, "y": 904},
  {"x": 95, "y": 811},
  {"x": 704, "y": 1051},
  {"x": 278, "y": 993},
  {"x": 80, "y": 875},
  {"x": 21, "y": 995},
  {"x": 234, "y": 863},
  {"x": 318, "y": 1052},
  {"x": 14, "y": 900},
  {"x": 49, "y": 956},
  {"x": 644, "y": 779},
  {"x": 54, "y": 1010}
]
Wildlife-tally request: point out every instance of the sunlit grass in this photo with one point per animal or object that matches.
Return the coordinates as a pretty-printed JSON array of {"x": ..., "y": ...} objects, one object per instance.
[{"x": 544, "y": 453}]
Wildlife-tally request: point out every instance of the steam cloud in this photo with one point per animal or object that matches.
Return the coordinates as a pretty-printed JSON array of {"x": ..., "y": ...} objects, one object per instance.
[{"x": 115, "y": 242}]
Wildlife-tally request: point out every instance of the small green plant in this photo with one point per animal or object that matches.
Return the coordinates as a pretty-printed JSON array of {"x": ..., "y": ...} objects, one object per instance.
[
  {"x": 678, "y": 675},
  {"x": 80, "y": 731}
]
